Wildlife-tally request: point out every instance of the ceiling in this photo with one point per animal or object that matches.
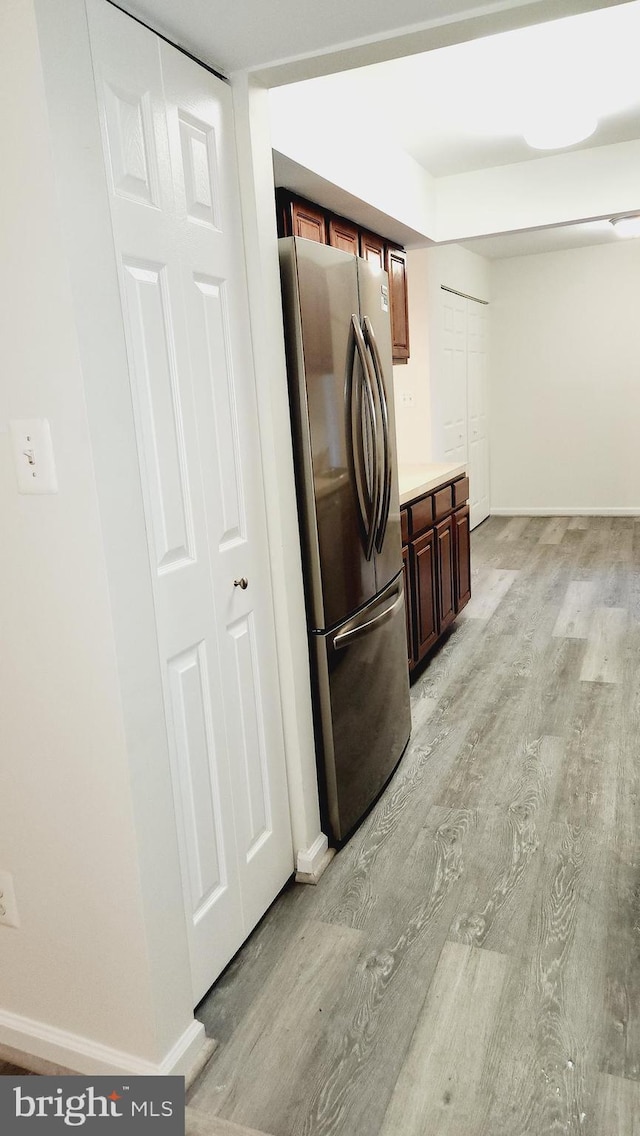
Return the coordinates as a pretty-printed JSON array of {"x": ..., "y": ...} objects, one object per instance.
[
  {"x": 460, "y": 112},
  {"x": 553, "y": 239},
  {"x": 432, "y": 103},
  {"x": 463, "y": 107},
  {"x": 253, "y": 34}
]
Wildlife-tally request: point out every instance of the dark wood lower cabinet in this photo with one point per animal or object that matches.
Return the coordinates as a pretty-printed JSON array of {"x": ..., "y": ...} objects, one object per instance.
[
  {"x": 437, "y": 566},
  {"x": 446, "y": 582},
  {"x": 462, "y": 554},
  {"x": 407, "y": 603},
  {"x": 425, "y": 608}
]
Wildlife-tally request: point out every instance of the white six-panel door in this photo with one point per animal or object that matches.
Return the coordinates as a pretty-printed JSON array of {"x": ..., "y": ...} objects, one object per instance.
[
  {"x": 170, "y": 160},
  {"x": 454, "y": 391},
  {"x": 464, "y": 395}
]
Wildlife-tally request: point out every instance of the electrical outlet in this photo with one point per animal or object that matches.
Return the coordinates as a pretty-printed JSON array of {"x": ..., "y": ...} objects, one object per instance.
[
  {"x": 406, "y": 398},
  {"x": 8, "y": 907}
]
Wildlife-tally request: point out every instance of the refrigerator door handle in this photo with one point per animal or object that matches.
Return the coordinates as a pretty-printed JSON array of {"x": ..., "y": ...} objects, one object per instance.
[
  {"x": 385, "y": 496},
  {"x": 346, "y": 637},
  {"x": 368, "y": 504}
]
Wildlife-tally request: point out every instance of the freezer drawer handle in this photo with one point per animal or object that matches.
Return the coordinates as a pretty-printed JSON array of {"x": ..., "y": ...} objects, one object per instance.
[{"x": 347, "y": 637}]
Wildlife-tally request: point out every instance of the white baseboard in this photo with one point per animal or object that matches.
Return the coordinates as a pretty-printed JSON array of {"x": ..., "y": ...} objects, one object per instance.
[
  {"x": 568, "y": 511},
  {"x": 42, "y": 1048},
  {"x": 309, "y": 859},
  {"x": 187, "y": 1051}
]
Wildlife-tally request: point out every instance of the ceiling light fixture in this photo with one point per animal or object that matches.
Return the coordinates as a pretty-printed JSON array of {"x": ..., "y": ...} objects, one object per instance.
[
  {"x": 627, "y": 225},
  {"x": 560, "y": 130}
]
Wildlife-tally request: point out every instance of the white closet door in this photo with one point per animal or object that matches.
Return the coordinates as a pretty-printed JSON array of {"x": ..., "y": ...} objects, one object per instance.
[
  {"x": 169, "y": 148},
  {"x": 454, "y": 388},
  {"x": 478, "y": 412},
  {"x": 464, "y": 414}
]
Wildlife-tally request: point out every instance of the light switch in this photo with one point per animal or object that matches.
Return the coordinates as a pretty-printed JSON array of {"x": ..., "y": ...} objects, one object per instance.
[
  {"x": 8, "y": 907},
  {"x": 33, "y": 455}
]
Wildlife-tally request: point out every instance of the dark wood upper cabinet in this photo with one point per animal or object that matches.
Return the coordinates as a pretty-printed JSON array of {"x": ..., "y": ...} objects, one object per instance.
[
  {"x": 344, "y": 235},
  {"x": 372, "y": 248},
  {"x": 298, "y": 217},
  {"x": 397, "y": 270}
]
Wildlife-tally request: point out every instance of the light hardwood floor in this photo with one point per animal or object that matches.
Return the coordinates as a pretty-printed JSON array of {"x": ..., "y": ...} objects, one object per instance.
[{"x": 469, "y": 964}]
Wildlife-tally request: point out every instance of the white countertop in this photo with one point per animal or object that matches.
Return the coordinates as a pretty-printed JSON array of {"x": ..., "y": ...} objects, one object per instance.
[{"x": 414, "y": 480}]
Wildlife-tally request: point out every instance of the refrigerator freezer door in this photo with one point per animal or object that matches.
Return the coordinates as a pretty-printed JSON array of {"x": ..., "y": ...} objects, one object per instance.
[
  {"x": 320, "y": 295},
  {"x": 363, "y": 705},
  {"x": 374, "y": 310}
]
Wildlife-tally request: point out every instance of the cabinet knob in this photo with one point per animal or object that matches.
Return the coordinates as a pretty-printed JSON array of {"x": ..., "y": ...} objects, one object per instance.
[{"x": 241, "y": 583}]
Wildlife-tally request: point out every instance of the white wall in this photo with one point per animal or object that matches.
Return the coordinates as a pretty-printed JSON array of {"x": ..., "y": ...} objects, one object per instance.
[
  {"x": 84, "y": 980},
  {"x": 251, "y": 107},
  {"x": 325, "y": 141},
  {"x": 573, "y": 186},
  {"x": 460, "y": 269},
  {"x": 565, "y": 381}
]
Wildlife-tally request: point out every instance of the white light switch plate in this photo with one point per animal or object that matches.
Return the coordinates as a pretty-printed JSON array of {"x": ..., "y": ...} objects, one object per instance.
[
  {"x": 33, "y": 455},
  {"x": 8, "y": 906}
]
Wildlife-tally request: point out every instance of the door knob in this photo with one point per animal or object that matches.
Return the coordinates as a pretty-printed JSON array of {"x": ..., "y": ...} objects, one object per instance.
[{"x": 241, "y": 583}]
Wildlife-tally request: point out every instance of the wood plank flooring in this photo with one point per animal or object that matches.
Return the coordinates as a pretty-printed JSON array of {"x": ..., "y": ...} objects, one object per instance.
[{"x": 469, "y": 964}]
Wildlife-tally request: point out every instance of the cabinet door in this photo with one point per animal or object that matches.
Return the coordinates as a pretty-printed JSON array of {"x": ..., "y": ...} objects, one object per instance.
[
  {"x": 406, "y": 575},
  {"x": 446, "y": 587},
  {"x": 423, "y": 565},
  {"x": 372, "y": 248},
  {"x": 397, "y": 270},
  {"x": 300, "y": 218},
  {"x": 308, "y": 222},
  {"x": 462, "y": 555},
  {"x": 404, "y": 525},
  {"x": 343, "y": 235}
]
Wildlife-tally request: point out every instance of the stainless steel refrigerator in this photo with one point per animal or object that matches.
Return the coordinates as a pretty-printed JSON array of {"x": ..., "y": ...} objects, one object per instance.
[{"x": 340, "y": 380}]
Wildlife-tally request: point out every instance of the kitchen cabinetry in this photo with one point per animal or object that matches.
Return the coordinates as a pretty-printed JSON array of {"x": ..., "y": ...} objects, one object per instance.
[
  {"x": 344, "y": 235},
  {"x": 462, "y": 558},
  {"x": 305, "y": 220},
  {"x": 300, "y": 218},
  {"x": 396, "y": 266},
  {"x": 436, "y": 555},
  {"x": 406, "y": 569},
  {"x": 446, "y": 573},
  {"x": 372, "y": 248},
  {"x": 421, "y": 598}
]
